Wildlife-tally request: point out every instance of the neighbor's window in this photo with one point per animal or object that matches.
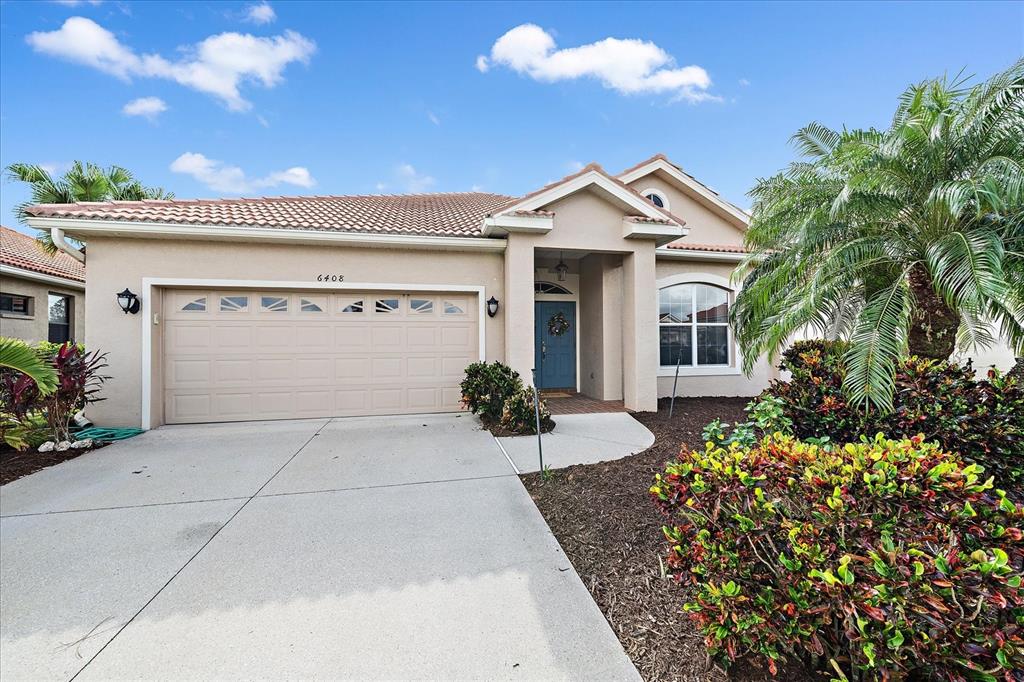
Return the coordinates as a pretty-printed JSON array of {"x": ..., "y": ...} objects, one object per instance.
[
  {"x": 60, "y": 318},
  {"x": 15, "y": 304},
  {"x": 693, "y": 325}
]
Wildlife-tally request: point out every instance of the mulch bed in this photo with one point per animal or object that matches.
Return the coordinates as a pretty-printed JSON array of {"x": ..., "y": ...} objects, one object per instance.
[
  {"x": 610, "y": 529},
  {"x": 14, "y": 464}
]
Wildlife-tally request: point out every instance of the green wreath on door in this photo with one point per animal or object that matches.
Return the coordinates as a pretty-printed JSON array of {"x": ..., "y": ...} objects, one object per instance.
[{"x": 558, "y": 325}]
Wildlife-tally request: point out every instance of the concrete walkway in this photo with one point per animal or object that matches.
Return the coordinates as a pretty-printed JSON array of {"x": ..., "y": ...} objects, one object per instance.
[
  {"x": 580, "y": 439},
  {"x": 376, "y": 548}
]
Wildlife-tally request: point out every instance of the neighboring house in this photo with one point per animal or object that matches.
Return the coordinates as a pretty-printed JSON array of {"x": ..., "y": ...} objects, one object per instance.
[
  {"x": 357, "y": 305},
  {"x": 42, "y": 297}
]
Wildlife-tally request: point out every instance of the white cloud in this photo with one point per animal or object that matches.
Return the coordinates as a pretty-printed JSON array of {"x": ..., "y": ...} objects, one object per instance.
[
  {"x": 433, "y": 118},
  {"x": 413, "y": 180},
  {"x": 744, "y": 82},
  {"x": 261, "y": 14},
  {"x": 147, "y": 107},
  {"x": 629, "y": 66},
  {"x": 222, "y": 177},
  {"x": 262, "y": 120},
  {"x": 216, "y": 66}
]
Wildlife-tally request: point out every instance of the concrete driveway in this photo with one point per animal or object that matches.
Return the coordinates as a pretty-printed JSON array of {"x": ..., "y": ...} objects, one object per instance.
[{"x": 398, "y": 548}]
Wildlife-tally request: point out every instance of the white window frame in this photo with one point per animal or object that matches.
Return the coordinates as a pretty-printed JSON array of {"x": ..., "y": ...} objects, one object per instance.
[
  {"x": 733, "y": 367},
  {"x": 660, "y": 195}
]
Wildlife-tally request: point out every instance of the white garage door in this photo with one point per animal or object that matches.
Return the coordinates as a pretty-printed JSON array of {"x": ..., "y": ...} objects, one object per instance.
[{"x": 243, "y": 355}]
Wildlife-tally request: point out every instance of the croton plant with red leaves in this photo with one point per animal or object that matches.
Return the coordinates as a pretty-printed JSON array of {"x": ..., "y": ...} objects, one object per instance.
[{"x": 878, "y": 559}]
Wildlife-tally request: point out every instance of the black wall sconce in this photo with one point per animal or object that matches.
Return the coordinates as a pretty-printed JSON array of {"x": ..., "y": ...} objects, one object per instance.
[
  {"x": 492, "y": 307},
  {"x": 128, "y": 301}
]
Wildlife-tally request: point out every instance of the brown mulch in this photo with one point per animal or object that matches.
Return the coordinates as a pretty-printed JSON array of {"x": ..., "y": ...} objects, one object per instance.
[
  {"x": 14, "y": 464},
  {"x": 610, "y": 529}
]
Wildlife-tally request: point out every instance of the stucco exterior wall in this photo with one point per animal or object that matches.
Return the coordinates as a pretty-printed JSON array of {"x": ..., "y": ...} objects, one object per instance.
[
  {"x": 729, "y": 381},
  {"x": 706, "y": 226},
  {"x": 36, "y": 328},
  {"x": 116, "y": 264}
]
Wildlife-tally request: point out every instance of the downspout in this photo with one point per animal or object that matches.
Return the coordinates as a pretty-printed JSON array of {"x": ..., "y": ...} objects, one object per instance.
[{"x": 57, "y": 237}]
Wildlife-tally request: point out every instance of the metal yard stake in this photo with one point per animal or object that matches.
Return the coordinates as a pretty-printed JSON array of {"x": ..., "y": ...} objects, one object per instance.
[
  {"x": 672, "y": 404},
  {"x": 536, "y": 414}
]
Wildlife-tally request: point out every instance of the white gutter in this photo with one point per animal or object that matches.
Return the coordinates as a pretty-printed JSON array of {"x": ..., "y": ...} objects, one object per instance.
[
  {"x": 57, "y": 235},
  {"x": 687, "y": 254},
  {"x": 173, "y": 230},
  {"x": 21, "y": 273}
]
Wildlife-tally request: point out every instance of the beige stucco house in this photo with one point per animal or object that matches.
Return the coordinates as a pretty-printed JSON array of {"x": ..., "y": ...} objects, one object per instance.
[
  {"x": 42, "y": 297},
  {"x": 357, "y": 305}
]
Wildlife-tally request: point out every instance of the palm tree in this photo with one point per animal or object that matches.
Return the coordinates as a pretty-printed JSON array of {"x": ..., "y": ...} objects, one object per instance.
[
  {"x": 81, "y": 182},
  {"x": 908, "y": 240},
  {"x": 17, "y": 355}
]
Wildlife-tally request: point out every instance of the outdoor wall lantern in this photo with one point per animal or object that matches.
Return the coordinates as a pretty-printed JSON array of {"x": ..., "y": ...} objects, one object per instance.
[
  {"x": 492, "y": 306},
  {"x": 128, "y": 301}
]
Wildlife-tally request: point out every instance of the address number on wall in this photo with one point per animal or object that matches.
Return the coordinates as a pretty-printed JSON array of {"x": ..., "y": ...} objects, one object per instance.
[{"x": 330, "y": 278}]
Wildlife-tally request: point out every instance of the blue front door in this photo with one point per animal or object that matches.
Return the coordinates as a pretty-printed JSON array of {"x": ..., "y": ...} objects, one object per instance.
[{"x": 555, "y": 355}]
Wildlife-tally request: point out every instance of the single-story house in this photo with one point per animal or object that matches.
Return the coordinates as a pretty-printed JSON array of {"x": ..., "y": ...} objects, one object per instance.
[
  {"x": 315, "y": 306},
  {"x": 42, "y": 297}
]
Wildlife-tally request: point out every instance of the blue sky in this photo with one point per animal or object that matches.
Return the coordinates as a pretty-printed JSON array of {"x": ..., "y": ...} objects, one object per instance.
[{"x": 226, "y": 99}]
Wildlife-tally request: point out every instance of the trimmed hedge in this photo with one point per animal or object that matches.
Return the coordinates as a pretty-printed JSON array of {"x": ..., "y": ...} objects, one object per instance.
[
  {"x": 519, "y": 416},
  {"x": 496, "y": 393},
  {"x": 880, "y": 558}
]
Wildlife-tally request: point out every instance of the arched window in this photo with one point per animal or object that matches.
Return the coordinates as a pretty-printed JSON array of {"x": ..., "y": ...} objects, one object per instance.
[
  {"x": 693, "y": 325},
  {"x": 656, "y": 197},
  {"x": 549, "y": 288}
]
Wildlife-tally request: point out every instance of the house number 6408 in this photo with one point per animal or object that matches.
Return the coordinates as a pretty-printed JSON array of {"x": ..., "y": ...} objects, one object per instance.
[{"x": 330, "y": 278}]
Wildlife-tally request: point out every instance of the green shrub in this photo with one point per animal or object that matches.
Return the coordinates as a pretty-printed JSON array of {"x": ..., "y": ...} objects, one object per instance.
[
  {"x": 882, "y": 558},
  {"x": 518, "y": 414},
  {"x": 486, "y": 388},
  {"x": 983, "y": 420}
]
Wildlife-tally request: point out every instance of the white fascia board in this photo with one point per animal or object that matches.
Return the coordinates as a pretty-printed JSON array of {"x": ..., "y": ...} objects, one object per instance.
[
  {"x": 686, "y": 254},
  {"x": 688, "y": 182},
  {"x": 663, "y": 234},
  {"x": 21, "y": 273},
  {"x": 590, "y": 178},
  {"x": 500, "y": 225},
  {"x": 85, "y": 228}
]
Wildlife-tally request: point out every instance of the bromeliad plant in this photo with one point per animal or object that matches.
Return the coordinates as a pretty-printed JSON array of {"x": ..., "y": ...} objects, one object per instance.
[{"x": 878, "y": 559}]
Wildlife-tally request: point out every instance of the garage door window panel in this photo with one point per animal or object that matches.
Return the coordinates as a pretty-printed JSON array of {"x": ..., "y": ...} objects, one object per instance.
[
  {"x": 274, "y": 304},
  {"x": 350, "y": 306},
  {"x": 387, "y": 305},
  {"x": 194, "y": 305},
  {"x": 234, "y": 304}
]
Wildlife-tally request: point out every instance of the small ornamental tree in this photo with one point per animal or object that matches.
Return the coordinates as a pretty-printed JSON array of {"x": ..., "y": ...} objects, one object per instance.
[{"x": 878, "y": 559}]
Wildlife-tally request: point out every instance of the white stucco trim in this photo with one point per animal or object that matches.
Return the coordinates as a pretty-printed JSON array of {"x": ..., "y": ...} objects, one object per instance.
[
  {"x": 702, "y": 370},
  {"x": 592, "y": 177},
  {"x": 687, "y": 183},
  {"x": 660, "y": 195},
  {"x": 666, "y": 253},
  {"x": 84, "y": 227},
  {"x": 21, "y": 273},
  {"x": 150, "y": 283},
  {"x": 501, "y": 225}
]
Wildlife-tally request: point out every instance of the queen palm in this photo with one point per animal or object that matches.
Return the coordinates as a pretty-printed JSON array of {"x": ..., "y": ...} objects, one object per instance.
[
  {"x": 908, "y": 240},
  {"x": 81, "y": 182}
]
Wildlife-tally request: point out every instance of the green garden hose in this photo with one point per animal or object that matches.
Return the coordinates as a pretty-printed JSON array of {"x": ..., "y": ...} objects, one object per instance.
[{"x": 105, "y": 435}]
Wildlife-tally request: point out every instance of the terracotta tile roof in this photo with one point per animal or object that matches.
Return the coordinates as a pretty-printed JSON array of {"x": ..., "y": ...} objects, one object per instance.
[
  {"x": 22, "y": 251},
  {"x": 592, "y": 166},
  {"x": 442, "y": 215},
  {"x": 644, "y": 219},
  {"x": 716, "y": 248}
]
